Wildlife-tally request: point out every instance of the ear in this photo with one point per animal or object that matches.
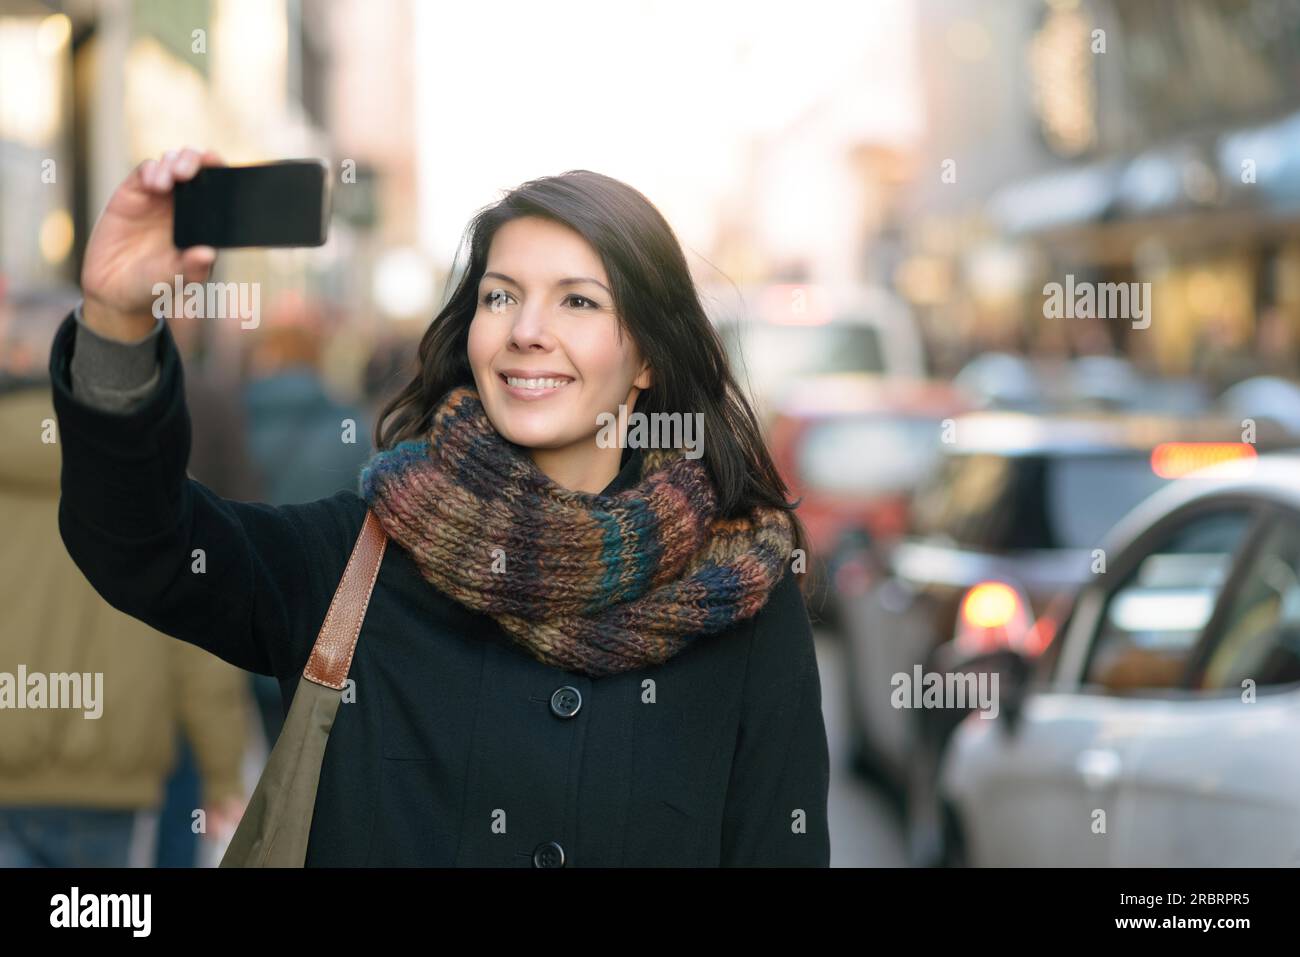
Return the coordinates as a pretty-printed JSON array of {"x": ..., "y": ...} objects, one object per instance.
[{"x": 644, "y": 378}]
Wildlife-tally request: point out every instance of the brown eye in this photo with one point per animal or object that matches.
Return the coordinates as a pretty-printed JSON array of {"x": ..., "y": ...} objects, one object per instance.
[{"x": 590, "y": 304}]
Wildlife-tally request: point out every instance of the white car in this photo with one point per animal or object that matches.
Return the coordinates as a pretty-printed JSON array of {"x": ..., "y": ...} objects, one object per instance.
[
  {"x": 1162, "y": 727},
  {"x": 777, "y": 333}
]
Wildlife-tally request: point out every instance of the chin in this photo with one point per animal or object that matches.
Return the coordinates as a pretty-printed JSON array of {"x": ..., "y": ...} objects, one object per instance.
[
  {"x": 532, "y": 431},
  {"x": 534, "y": 438},
  {"x": 530, "y": 424}
]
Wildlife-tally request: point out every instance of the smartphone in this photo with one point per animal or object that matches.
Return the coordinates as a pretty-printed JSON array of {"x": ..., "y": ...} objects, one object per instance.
[{"x": 285, "y": 203}]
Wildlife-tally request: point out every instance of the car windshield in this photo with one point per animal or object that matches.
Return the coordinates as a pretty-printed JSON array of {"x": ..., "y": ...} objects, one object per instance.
[
  {"x": 766, "y": 355},
  {"x": 1009, "y": 503}
]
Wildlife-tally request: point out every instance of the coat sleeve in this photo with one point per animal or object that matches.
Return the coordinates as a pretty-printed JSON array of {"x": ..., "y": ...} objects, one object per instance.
[
  {"x": 245, "y": 581},
  {"x": 776, "y": 807}
]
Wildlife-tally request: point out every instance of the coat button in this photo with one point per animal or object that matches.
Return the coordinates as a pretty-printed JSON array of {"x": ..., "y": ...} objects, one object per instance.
[
  {"x": 566, "y": 701},
  {"x": 549, "y": 854}
]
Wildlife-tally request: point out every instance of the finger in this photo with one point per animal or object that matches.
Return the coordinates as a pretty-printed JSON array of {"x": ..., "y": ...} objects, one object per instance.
[
  {"x": 163, "y": 176},
  {"x": 212, "y": 158},
  {"x": 186, "y": 165},
  {"x": 196, "y": 262},
  {"x": 148, "y": 173},
  {"x": 201, "y": 254}
]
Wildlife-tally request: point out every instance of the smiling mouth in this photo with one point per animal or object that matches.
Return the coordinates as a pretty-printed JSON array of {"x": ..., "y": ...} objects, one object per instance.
[{"x": 541, "y": 385}]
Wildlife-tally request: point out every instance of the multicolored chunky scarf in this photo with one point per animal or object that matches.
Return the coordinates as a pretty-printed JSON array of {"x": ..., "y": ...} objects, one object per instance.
[{"x": 595, "y": 584}]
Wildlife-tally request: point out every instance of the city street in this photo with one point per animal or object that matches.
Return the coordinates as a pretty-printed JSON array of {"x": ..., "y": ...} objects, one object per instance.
[{"x": 865, "y": 830}]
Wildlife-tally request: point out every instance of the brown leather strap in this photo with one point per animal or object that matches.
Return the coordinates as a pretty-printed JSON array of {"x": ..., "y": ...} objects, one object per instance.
[{"x": 331, "y": 656}]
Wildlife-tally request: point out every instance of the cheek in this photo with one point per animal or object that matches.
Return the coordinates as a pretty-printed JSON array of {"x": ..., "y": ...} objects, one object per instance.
[
  {"x": 601, "y": 358},
  {"x": 480, "y": 346}
]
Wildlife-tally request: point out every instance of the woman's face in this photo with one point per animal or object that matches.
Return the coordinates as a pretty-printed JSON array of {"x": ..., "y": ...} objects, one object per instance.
[{"x": 544, "y": 343}]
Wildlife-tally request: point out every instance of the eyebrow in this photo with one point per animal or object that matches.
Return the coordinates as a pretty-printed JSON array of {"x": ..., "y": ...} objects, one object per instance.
[{"x": 570, "y": 281}]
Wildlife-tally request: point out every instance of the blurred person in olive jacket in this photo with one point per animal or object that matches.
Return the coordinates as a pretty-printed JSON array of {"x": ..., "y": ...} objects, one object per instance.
[{"x": 72, "y": 786}]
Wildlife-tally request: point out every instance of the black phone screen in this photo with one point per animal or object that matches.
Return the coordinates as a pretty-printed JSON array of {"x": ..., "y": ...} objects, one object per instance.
[{"x": 270, "y": 204}]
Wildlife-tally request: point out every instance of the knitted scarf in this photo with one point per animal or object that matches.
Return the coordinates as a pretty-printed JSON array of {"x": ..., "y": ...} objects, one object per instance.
[{"x": 594, "y": 584}]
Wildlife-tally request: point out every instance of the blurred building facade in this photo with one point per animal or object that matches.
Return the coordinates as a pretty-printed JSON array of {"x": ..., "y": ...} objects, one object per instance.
[
  {"x": 1115, "y": 142},
  {"x": 92, "y": 87}
]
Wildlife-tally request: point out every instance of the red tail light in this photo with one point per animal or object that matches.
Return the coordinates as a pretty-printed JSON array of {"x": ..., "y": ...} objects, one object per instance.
[{"x": 1176, "y": 459}]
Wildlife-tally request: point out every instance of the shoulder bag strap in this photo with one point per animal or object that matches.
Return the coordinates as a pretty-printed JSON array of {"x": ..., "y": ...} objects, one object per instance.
[{"x": 331, "y": 656}]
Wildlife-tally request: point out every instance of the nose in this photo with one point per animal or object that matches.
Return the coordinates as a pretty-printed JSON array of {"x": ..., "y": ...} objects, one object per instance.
[{"x": 529, "y": 330}]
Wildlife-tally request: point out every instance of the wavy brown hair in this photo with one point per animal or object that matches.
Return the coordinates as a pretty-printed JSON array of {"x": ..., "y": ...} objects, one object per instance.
[{"x": 656, "y": 303}]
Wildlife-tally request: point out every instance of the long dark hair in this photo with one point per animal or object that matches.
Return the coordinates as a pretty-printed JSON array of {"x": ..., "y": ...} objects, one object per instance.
[{"x": 657, "y": 304}]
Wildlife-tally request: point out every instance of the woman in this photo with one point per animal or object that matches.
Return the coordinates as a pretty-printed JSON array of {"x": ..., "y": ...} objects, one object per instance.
[{"x": 613, "y": 666}]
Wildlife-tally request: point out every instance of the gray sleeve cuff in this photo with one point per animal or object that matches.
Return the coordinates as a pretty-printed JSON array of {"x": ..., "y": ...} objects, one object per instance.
[{"x": 111, "y": 375}]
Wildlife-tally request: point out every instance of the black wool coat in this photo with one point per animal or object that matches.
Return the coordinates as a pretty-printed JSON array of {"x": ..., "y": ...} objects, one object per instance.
[{"x": 461, "y": 749}]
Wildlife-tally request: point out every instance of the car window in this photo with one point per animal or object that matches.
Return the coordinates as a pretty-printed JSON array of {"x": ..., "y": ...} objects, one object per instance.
[
  {"x": 981, "y": 501},
  {"x": 1260, "y": 637},
  {"x": 1014, "y": 502},
  {"x": 1150, "y": 623},
  {"x": 1088, "y": 494},
  {"x": 767, "y": 355}
]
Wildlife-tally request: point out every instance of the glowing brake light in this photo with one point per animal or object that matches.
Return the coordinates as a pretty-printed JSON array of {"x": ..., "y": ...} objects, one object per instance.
[
  {"x": 990, "y": 605},
  {"x": 994, "y": 614},
  {"x": 1176, "y": 459}
]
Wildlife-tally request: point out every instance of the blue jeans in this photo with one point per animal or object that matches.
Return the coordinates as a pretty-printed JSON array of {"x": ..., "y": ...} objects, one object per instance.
[
  {"x": 177, "y": 844},
  {"x": 64, "y": 837}
]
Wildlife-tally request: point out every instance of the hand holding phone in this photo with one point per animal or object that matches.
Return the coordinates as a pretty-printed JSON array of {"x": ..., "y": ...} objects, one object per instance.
[
  {"x": 130, "y": 248},
  {"x": 146, "y": 235}
]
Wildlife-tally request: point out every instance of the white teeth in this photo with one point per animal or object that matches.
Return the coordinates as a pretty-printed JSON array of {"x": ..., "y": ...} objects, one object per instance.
[{"x": 536, "y": 383}]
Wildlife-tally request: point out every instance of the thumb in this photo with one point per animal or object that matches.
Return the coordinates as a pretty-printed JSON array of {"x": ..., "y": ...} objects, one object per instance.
[{"x": 196, "y": 262}]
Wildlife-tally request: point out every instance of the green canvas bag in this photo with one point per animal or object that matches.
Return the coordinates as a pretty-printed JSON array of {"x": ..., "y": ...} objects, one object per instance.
[{"x": 273, "y": 831}]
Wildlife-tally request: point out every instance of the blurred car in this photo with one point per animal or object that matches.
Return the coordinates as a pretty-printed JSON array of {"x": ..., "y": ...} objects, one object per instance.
[
  {"x": 1264, "y": 397},
  {"x": 1160, "y": 730},
  {"x": 782, "y": 332},
  {"x": 1002, "y": 380},
  {"x": 1001, "y": 539},
  {"x": 1005, "y": 381},
  {"x": 852, "y": 448}
]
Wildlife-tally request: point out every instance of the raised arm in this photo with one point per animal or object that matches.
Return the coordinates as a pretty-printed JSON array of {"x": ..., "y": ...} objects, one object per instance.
[{"x": 246, "y": 581}]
